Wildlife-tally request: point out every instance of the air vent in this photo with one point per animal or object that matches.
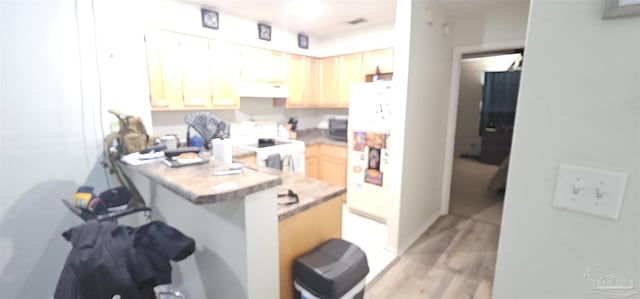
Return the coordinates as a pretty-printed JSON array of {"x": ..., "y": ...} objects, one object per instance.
[{"x": 357, "y": 21}]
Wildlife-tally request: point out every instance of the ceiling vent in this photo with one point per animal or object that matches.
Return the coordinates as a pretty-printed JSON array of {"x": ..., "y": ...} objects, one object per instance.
[{"x": 357, "y": 21}]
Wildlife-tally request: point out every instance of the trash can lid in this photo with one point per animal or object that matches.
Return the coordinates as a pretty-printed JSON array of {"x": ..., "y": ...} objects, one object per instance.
[{"x": 331, "y": 269}]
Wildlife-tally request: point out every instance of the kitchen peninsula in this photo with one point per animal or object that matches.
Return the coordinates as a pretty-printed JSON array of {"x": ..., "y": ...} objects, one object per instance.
[{"x": 244, "y": 238}]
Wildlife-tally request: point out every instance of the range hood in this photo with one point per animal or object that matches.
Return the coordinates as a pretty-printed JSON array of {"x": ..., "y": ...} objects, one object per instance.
[{"x": 262, "y": 90}]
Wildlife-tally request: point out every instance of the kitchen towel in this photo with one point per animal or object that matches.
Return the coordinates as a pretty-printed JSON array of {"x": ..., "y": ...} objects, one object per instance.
[{"x": 274, "y": 161}]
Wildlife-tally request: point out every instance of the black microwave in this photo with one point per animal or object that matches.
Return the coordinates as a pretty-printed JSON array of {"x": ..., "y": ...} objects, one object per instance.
[{"x": 338, "y": 129}]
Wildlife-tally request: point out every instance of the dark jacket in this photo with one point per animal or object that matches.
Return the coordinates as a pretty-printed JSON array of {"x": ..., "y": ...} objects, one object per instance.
[{"x": 107, "y": 259}]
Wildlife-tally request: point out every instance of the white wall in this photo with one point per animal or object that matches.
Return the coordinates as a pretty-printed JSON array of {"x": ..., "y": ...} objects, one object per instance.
[
  {"x": 122, "y": 58},
  {"x": 360, "y": 39},
  {"x": 508, "y": 23},
  {"x": 577, "y": 113},
  {"x": 422, "y": 71},
  {"x": 185, "y": 18},
  {"x": 50, "y": 141}
]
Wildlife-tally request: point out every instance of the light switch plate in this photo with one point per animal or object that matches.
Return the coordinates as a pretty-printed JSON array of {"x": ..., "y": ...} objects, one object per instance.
[{"x": 591, "y": 191}]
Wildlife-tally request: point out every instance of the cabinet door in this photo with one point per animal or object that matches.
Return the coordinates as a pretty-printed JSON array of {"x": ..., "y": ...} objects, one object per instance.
[
  {"x": 350, "y": 72},
  {"x": 311, "y": 168},
  {"x": 261, "y": 65},
  {"x": 296, "y": 80},
  {"x": 333, "y": 171},
  {"x": 302, "y": 80},
  {"x": 330, "y": 82},
  {"x": 382, "y": 59},
  {"x": 164, "y": 70},
  {"x": 276, "y": 67},
  {"x": 224, "y": 74},
  {"x": 312, "y": 85},
  {"x": 195, "y": 71}
]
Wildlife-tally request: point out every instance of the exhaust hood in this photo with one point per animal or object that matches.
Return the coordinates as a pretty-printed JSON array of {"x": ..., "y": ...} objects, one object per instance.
[{"x": 262, "y": 90}]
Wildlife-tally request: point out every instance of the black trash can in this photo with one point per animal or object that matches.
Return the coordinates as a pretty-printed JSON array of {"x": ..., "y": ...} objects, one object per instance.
[{"x": 334, "y": 269}]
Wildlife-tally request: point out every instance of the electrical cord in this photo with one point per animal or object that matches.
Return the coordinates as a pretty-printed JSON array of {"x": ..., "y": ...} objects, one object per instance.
[{"x": 100, "y": 102}]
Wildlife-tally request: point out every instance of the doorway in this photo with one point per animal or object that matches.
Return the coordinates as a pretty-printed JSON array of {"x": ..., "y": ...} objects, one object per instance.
[{"x": 488, "y": 83}]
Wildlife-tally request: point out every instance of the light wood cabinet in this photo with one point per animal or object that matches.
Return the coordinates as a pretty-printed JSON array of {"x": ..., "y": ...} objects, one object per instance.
[
  {"x": 304, "y": 231},
  {"x": 164, "y": 69},
  {"x": 296, "y": 81},
  {"x": 381, "y": 59},
  {"x": 327, "y": 163},
  {"x": 192, "y": 73},
  {"x": 330, "y": 82},
  {"x": 311, "y": 161},
  {"x": 302, "y": 81},
  {"x": 332, "y": 164},
  {"x": 350, "y": 72},
  {"x": 194, "y": 54},
  {"x": 333, "y": 171},
  {"x": 337, "y": 74},
  {"x": 262, "y": 65},
  {"x": 224, "y": 74}
]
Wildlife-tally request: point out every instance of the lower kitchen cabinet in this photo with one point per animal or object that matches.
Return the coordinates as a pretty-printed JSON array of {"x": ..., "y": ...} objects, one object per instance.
[
  {"x": 333, "y": 171},
  {"x": 311, "y": 167},
  {"x": 248, "y": 160},
  {"x": 304, "y": 231},
  {"x": 311, "y": 161},
  {"x": 327, "y": 163}
]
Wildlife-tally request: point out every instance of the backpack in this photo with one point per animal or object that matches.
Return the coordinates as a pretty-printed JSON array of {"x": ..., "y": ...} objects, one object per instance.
[{"x": 132, "y": 137}]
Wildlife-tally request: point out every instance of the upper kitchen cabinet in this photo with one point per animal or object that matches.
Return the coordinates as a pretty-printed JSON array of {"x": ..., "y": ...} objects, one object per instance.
[
  {"x": 164, "y": 67},
  {"x": 379, "y": 59},
  {"x": 302, "y": 80},
  {"x": 330, "y": 82},
  {"x": 262, "y": 65},
  {"x": 191, "y": 73},
  {"x": 350, "y": 72},
  {"x": 337, "y": 74},
  {"x": 195, "y": 58},
  {"x": 224, "y": 74}
]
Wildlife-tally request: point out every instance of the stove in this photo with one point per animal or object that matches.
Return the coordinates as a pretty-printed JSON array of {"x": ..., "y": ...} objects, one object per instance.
[
  {"x": 267, "y": 142},
  {"x": 264, "y": 142}
]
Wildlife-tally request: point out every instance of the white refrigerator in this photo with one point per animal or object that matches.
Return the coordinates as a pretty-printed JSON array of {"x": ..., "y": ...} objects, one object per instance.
[{"x": 369, "y": 148}]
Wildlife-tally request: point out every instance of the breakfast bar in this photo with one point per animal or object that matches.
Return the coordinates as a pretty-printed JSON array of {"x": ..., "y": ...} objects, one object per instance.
[{"x": 244, "y": 237}]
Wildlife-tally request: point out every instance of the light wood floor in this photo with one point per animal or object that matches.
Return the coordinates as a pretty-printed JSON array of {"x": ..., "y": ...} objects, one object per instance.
[
  {"x": 455, "y": 258},
  {"x": 470, "y": 195}
]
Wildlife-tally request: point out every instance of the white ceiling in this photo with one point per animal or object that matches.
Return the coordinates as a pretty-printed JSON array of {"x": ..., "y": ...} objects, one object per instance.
[{"x": 335, "y": 14}]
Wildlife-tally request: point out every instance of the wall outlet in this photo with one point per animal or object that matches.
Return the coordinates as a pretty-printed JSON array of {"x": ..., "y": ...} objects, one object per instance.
[{"x": 590, "y": 191}]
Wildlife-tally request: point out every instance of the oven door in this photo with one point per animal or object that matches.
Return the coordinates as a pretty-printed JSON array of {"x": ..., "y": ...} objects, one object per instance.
[{"x": 287, "y": 157}]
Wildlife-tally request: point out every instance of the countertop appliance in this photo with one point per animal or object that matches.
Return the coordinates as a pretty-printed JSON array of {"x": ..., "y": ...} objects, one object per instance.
[
  {"x": 262, "y": 138},
  {"x": 338, "y": 129},
  {"x": 369, "y": 145}
]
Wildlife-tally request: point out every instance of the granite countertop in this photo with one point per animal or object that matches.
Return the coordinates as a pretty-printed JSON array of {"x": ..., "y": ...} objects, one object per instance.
[
  {"x": 311, "y": 192},
  {"x": 197, "y": 183},
  {"x": 318, "y": 136}
]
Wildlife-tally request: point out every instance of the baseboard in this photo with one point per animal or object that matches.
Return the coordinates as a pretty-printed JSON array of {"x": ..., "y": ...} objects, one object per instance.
[{"x": 416, "y": 234}]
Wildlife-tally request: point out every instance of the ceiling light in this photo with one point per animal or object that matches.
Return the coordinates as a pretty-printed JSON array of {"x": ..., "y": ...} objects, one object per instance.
[{"x": 306, "y": 10}]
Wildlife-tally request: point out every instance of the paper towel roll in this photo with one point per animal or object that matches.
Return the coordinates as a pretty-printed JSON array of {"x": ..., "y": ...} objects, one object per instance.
[{"x": 221, "y": 150}]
